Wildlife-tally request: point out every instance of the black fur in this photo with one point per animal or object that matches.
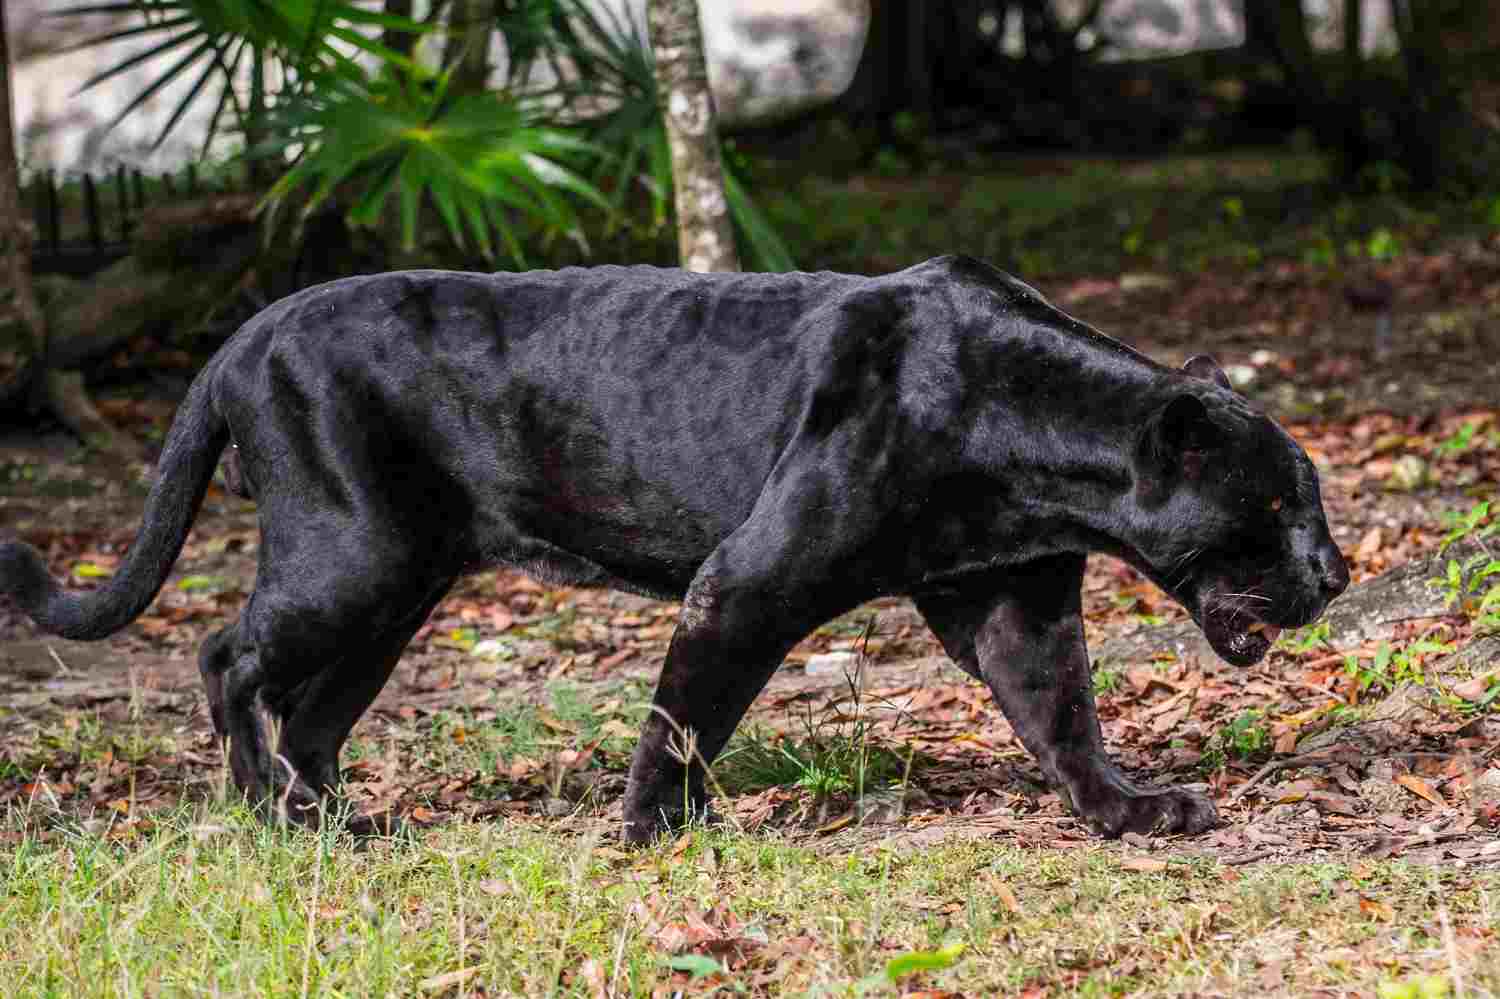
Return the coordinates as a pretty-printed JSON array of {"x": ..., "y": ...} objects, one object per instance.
[{"x": 771, "y": 449}]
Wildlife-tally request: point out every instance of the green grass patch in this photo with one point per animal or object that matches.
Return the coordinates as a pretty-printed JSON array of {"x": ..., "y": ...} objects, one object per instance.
[
  {"x": 1048, "y": 218},
  {"x": 209, "y": 901}
]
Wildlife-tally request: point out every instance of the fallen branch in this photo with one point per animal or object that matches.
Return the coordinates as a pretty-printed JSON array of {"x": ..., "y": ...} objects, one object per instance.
[{"x": 1322, "y": 757}]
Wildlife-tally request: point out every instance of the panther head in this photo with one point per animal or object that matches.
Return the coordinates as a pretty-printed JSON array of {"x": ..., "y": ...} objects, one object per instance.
[{"x": 1239, "y": 534}]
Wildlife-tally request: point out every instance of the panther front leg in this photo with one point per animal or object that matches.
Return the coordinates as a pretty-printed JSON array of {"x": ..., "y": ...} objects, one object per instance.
[
  {"x": 751, "y": 601},
  {"x": 1021, "y": 632}
]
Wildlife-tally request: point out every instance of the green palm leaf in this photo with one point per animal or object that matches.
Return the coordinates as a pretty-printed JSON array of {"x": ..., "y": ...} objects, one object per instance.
[
  {"x": 470, "y": 158},
  {"x": 305, "y": 36}
]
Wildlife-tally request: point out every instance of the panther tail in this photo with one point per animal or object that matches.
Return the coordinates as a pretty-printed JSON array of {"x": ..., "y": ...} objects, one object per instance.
[{"x": 186, "y": 467}]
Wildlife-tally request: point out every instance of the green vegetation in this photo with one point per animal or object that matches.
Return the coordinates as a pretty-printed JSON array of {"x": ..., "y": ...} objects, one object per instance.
[
  {"x": 1244, "y": 736},
  {"x": 1101, "y": 216},
  {"x": 1393, "y": 666},
  {"x": 1472, "y": 586},
  {"x": 207, "y": 899}
]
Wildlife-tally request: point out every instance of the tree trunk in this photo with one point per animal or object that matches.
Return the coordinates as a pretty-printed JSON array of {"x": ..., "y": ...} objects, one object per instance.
[
  {"x": 63, "y": 395},
  {"x": 705, "y": 237},
  {"x": 16, "y": 238},
  {"x": 470, "y": 23}
]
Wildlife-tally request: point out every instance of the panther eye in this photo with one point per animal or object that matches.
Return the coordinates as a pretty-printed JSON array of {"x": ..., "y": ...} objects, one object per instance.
[{"x": 1276, "y": 504}]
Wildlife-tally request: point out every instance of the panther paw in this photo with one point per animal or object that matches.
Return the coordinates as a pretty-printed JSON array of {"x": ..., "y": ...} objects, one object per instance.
[
  {"x": 1165, "y": 811},
  {"x": 644, "y": 824}
]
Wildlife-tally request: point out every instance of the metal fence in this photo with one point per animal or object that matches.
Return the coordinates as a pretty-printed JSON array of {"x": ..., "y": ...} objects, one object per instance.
[{"x": 85, "y": 224}]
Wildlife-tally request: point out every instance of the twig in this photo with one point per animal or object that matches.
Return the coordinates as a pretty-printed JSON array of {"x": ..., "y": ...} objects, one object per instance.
[
  {"x": 1310, "y": 687},
  {"x": 1318, "y": 758},
  {"x": 1248, "y": 858}
]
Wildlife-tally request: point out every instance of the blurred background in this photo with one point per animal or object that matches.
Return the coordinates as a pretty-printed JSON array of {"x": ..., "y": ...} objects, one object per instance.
[{"x": 1299, "y": 185}]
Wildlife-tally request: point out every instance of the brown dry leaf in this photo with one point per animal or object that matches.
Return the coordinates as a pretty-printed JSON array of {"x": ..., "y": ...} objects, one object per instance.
[
  {"x": 1003, "y": 892},
  {"x": 1170, "y": 713},
  {"x": 617, "y": 728},
  {"x": 520, "y": 768},
  {"x": 1376, "y": 909},
  {"x": 494, "y": 886},
  {"x": 674, "y": 938},
  {"x": 577, "y": 759},
  {"x": 1421, "y": 789},
  {"x": 1473, "y": 690},
  {"x": 447, "y": 980},
  {"x": 553, "y": 722},
  {"x": 1142, "y": 679},
  {"x": 1144, "y": 865},
  {"x": 1370, "y": 544},
  {"x": 836, "y": 824}
]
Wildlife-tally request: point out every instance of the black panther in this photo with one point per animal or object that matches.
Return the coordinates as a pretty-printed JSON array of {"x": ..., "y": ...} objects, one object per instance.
[{"x": 771, "y": 449}]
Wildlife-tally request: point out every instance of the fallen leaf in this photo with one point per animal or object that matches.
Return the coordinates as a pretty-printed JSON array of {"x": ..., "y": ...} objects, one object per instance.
[
  {"x": 577, "y": 759},
  {"x": 1370, "y": 544},
  {"x": 836, "y": 824},
  {"x": 1421, "y": 789},
  {"x": 1006, "y": 896},
  {"x": 914, "y": 961},
  {"x": 1473, "y": 690},
  {"x": 553, "y": 722},
  {"x": 1145, "y": 865},
  {"x": 1376, "y": 909},
  {"x": 618, "y": 729},
  {"x": 447, "y": 980}
]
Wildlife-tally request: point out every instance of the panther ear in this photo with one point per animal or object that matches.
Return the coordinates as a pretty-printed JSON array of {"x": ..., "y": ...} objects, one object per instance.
[
  {"x": 1180, "y": 434},
  {"x": 1205, "y": 367}
]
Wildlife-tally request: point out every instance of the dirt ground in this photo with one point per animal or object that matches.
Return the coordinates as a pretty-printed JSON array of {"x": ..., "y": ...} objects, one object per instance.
[{"x": 1301, "y": 758}]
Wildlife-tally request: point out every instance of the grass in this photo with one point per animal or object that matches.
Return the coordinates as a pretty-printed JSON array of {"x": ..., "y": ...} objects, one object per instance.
[
  {"x": 208, "y": 901},
  {"x": 1109, "y": 216},
  {"x": 201, "y": 898}
]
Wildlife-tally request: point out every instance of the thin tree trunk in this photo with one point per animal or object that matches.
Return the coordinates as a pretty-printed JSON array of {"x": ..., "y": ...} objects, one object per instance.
[
  {"x": 63, "y": 393},
  {"x": 470, "y": 23},
  {"x": 16, "y": 234},
  {"x": 705, "y": 236}
]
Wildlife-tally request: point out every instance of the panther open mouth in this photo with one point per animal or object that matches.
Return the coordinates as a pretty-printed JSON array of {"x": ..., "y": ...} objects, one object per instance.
[{"x": 1238, "y": 637}]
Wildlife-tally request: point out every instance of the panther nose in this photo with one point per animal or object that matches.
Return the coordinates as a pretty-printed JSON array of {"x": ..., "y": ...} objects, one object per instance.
[{"x": 1333, "y": 573}]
